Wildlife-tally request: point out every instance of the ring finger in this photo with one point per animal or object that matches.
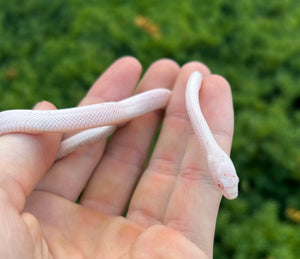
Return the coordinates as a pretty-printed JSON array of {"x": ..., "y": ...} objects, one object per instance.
[{"x": 195, "y": 198}]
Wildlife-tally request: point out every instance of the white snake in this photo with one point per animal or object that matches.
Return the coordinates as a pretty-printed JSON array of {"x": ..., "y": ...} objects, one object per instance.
[{"x": 94, "y": 121}]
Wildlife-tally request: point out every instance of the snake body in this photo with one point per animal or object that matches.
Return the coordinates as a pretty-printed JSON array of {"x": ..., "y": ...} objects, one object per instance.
[{"x": 99, "y": 121}]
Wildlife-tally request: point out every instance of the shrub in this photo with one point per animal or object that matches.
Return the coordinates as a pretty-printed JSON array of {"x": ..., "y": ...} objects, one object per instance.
[{"x": 55, "y": 49}]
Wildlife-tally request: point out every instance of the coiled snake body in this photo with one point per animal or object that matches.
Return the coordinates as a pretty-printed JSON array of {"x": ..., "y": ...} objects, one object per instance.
[{"x": 98, "y": 121}]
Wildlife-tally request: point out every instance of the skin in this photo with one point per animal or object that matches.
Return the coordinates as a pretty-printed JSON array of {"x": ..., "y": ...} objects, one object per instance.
[{"x": 172, "y": 203}]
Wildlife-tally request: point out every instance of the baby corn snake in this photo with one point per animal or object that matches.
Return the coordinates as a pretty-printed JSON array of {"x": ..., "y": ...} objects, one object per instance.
[{"x": 99, "y": 120}]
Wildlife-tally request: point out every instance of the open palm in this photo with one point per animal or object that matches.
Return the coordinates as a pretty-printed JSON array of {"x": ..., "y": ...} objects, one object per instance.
[{"x": 171, "y": 202}]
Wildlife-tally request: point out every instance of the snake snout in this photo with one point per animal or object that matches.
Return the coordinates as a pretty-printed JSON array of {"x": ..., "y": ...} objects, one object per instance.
[
  {"x": 224, "y": 174},
  {"x": 229, "y": 187}
]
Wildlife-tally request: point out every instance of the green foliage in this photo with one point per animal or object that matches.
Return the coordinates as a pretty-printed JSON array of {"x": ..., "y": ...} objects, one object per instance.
[
  {"x": 55, "y": 49},
  {"x": 255, "y": 233}
]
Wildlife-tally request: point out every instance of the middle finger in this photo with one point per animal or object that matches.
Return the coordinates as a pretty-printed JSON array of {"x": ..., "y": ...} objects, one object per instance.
[
  {"x": 112, "y": 184},
  {"x": 151, "y": 197}
]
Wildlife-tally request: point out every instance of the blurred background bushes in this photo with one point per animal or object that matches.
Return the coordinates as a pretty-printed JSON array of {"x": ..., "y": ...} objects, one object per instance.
[{"x": 56, "y": 49}]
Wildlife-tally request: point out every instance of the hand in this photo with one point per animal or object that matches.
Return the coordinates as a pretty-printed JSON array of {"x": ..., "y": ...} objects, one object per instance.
[{"x": 171, "y": 205}]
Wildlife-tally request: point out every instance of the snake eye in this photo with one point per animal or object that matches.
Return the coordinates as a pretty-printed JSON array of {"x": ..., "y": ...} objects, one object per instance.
[{"x": 220, "y": 185}]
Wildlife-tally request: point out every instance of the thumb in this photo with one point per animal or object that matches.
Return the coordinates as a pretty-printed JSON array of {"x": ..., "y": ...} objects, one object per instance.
[{"x": 24, "y": 160}]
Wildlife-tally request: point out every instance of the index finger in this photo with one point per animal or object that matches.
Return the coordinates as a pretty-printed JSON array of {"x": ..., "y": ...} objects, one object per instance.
[{"x": 116, "y": 83}]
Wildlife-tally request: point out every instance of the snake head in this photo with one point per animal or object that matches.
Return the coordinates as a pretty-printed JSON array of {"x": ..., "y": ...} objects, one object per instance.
[{"x": 224, "y": 173}]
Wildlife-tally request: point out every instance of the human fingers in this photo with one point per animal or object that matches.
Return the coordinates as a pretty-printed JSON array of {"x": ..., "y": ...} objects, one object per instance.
[
  {"x": 194, "y": 204},
  {"x": 69, "y": 175},
  {"x": 123, "y": 162},
  {"x": 151, "y": 197},
  {"x": 24, "y": 160}
]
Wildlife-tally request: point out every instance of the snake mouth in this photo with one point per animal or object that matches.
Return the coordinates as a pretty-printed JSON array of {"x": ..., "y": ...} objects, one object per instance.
[
  {"x": 231, "y": 195},
  {"x": 229, "y": 191}
]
